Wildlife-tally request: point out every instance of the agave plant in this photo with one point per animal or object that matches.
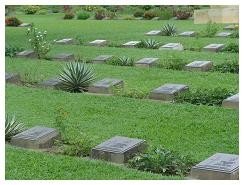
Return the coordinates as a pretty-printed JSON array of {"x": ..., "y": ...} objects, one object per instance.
[
  {"x": 125, "y": 61},
  {"x": 76, "y": 77},
  {"x": 150, "y": 43},
  {"x": 169, "y": 30},
  {"x": 12, "y": 127}
]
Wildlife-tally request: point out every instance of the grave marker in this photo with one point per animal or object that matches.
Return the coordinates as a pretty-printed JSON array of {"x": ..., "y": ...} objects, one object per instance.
[
  {"x": 199, "y": 66},
  {"x": 153, "y": 33},
  {"x": 25, "y": 25},
  {"x": 102, "y": 59},
  {"x": 224, "y": 34},
  {"x": 146, "y": 62},
  {"x": 172, "y": 46},
  {"x": 64, "y": 57},
  {"x": 188, "y": 34},
  {"x": 12, "y": 78},
  {"x": 98, "y": 43},
  {"x": 213, "y": 47},
  {"x": 231, "y": 27},
  {"x": 131, "y": 44},
  {"x": 231, "y": 102},
  {"x": 53, "y": 83},
  {"x": 65, "y": 41},
  {"x": 26, "y": 54}
]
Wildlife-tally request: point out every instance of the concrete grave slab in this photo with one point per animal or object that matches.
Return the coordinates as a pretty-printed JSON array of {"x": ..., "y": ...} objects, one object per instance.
[
  {"x": 146, "y": 62},
  {"x": 153, "y": 33},
  {"x": 231, "y": 27},
  {"x": 224, "y": 34},
  {"x": 25, "y": 25},
  {"x": 214, "y": 47},
  {"x": 131, "y": 44},
  {"x": 155, "y": 18},
  {"x": 101, "y": 59},
  {"x": 231, "y": 102},
  {"x": 199, "y": 66},
  {"x": 26, "y": 54},
  {"x": 65, "y": 41},
  {"x": 98, "y": 43},
  {"x": 118, "y": 149},
  {"x": 172, "y": 46},
  {"x": 64, "y": 57},
  {"x": 188, "y": 34},
  {"x": 12, "y": 78},
  {"x": 53, "y": 83}
]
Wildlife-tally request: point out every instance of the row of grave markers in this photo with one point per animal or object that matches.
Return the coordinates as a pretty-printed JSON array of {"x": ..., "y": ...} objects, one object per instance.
[
  {"x": 165, "y": 93},
  {"x": 118, "y": 149}
]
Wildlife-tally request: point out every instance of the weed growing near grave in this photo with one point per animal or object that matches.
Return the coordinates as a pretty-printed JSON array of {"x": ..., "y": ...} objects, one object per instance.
[
  {"x": 232, "y": 48},
  {"x": 227, "y": 67},
  {"x": 121, "y": 61},
  {"x": 149, "y": 44},
  {"x": 165, "y": 14},
  {"x": 12, "y": 127},
  {"x": 100, "y": 13},
  {"x": 12, "y": 21},
  {"x": 11, "y": 51},
  {"x": 173, "y": 63},
  {"x": 235, "y": 34},
  {"x": 163, "y": 161},
  {"x": 61, "y": 117},
  {"x": 168, "y": 30},
  {"x": 82, "y": 15},
  {"x": 132, "y": 93},
  {"x": 69, "y": 15},
  {"x": 210, "y": 30}
]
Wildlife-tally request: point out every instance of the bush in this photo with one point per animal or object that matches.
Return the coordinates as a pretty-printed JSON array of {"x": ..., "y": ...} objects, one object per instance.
[
  {"x": 69, "y": 15},
  {"x": 55, "y": 9},
  {"x": 210, "y": 30},
  {"x": 183, "y": 13},
  {"x": 139, "y": 13},
  {"x": 162, "y": 161},
  {"x": 11, "y": 51},
  {"x": 76, "y": 77},
  {"x": 149, "y": 44},
  {"x": 208, "y": 97},
  {"x": 12, "y": 21},
  {"x": 227, "y": 67},
  {"x": 165, "y": 14},
  {"x": 82, "y": 15},
  {"x": 121, "y": 61},
  {"x": 147, "y": 7},
  {"x": 31, "y": 9},
  {"x": 12, "y": 127},
  {"x": 231, "y": 48},
  {"x": 172, "y": 63},
  {"x": 100, "y": 14},
  {"x": 168, "y": 30},
  {"x": 149, "y": 14},
  {"x": 111, "y": 15}
]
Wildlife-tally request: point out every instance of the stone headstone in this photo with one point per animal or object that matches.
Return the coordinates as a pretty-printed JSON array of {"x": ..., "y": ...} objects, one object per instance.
[
  {"x": 53, "y": 83},
  {"x": 131, "y": 44},
  {"x": 26, "y": 54},
  {"x": 199, "y": 66},
  {"x": 106, "y": 86},
  {"x": 25, "y": 25},
  {"x": 12, "y": 78},
  {"x": 65, "y": 41},
  {"x": 213, "y": 47},
  {"x": 36, "y": 138},
  {"x": 231, "y": 102},
  {"x": 168, "y": 92},
  {"x": 64, "y": 57},
  {"x": 224, "y": 34},
  {"x": 220, "y": 166},
  {"x": 231, "y": 27},
  {"x": 118, "y": 149},
  {"x": 172, "y": 46},
  {"x": 188, "y": 34},
  {"x": 98, "y": 43},
  {"x": 102, "y": 59},
  {"x": 146, "y": 62},
  {"x": 153, "y": 33}
]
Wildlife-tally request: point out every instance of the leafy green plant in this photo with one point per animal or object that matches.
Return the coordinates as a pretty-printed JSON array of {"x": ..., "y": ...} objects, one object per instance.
[
  {"x": 100, "y": 13},
  {"x": 132, "y": 93},
  {"x": 183, "y": 13},
  {"x": 163, "y": 161},
  {"x": 76, "y": 77},
  {"x": 11, "y": 51},
  {"x": 174, "y": 63},
  {"x": 121, "y": 61},
  {"x": 138, "y": 13},
  {"x": 111, "y": 15},
  {"x": 149, "y": 14},
  {"x": 32, "y": 9},
  {"x": 168, "y": 30},
  {"x": 149, "y": 43},
  {"x": 38, "y": 41},
  {"x": 165, "y": 14},
  {"x": 235, "y": 34},
  {"x": 231, "y": 48},
  {"x": 82, "y": 15},
  {"x": 61, "y": 116},
  {"x": 12, "y": 127},
  {"x": 147, "y": 7},
  {"x": 210, "y": 30},
  {"x": 12, "y": 21},
  {"x": 227, "y": 67},
  {"x": 69, "y": 15}
]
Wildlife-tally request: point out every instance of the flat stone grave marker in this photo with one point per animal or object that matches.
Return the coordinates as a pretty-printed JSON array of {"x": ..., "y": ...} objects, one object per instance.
[
  {"x": 131, "y": 44},
  {"x": 188, "y": 34},
  {"x": 98, "y": 43},
  {"x": 106, "y": 86},
  {"x": 220, "y": 166},
  {"x": 231, "y": 102},
  {"x": 213, "y": 47},
  {"x": 153, "y": 32},
  {"x": 231, "y": 27},
  {"x": 168, "y": 92},
  {"x": 64, "y": 57},
  {"x": 146, "y": 62},
  {"x": 101, "y": 59},
  {"x": 139, "y": 18},
  {"x": 118, "y": 149},
  {"x": 224, "y": 34},
  {"x": 36, "y": 138},
  {"x": 155, "y": 18},
  {"x": 172, "y": 46},
  {"x": 26, "y": 54},
  {"x": 53, "y": 83},
  {"x": 65, "y": 41},
  {"x": 25, "y": 25},
  {"x": 199, "y": 66},
  {"x": 12, "y": 78}
]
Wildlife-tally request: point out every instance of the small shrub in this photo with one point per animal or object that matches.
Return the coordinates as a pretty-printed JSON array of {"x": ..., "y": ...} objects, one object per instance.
[
  {"x": 11, "y": 51},
  {"x": 32, "y": 9},
  {"x": 231, "y": 48},
  {"x": 138, "y": 13},
  {"x": 12, "y": 21},
  {"x": 149, "y": 14},
  {"x": 172, "y": 63},
  {"x": 133, "y": 93},
  {"x": 55, "y": 9},
  {"x": 90, "y": 8},
  {"x": 82, "y": 15},
  {"x": 208, "y": 97},
  {"x": 168, "y": 30},
  {"x": 149, "y": 44},
  {"x": 100, "y": 14},
  {"x": 147, "y": 7},
  {"x": 121, "y": 61},
  {"x": 183, "y": 13},
  {"x": 210, "y": 30},
  {"x": 165, "y": 14},
  {"x": 227, "y": 67},
  {"x": 69, "y": 15},
  {"x": 76, "y": 77},
  {"x": 12, "y": 127},
  {"x": 111, "y": 15},
  {"x": 162, "y": 161}
]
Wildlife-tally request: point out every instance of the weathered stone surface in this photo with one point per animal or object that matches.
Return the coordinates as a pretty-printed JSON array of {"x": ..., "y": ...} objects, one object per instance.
[
  {"x": 101, "y": 59},
  {"x": 168, "y": 92},
  {"x": 146, "y": 62},
  {"x": 188, "y": 34},
  {"x": 98, "y": 43},
  {"x": 231, "y": 27},
  {"x": 153, "y": 33},
  {"x": 64, "y": 57},
  {"x": 213, "y": 47},
  {"x": 199, "y": 66},
  {"x": 220, "y": 166},
  {"x": 139, "y": 18},
  {"x": 118, "y": 149},
  {"x": 106, "y": 86},
  {"x": 231, "y": 102},
  {"x": 25, "y": 25},
  {"x": 172, "y": 46},
  {"x": 65, "y": 41},
  {"x": 224, "y": 34},
  {"x": 155, "y": 18},
  {"x": 12, "y": 78},
  {"x": 53, "y": 83},
  {"x": 36, "y": 138},
  {"x": 131, "y": 44},
  {"x": 26, "y": 54}
]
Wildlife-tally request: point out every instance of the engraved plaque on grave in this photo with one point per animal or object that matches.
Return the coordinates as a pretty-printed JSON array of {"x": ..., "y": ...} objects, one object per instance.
[
  {"x": 36, "y": 138},
  {"x": 65, "y": 41},
  {"x": 53, "y": 83},
  {"x": 153, "y": 33},
  {"x": 168, "y": 92},
  {"x": 199, "y": 66},
  {"x": 12, "y": 78},
  {"x": 98, "y": 43},
  {"x": 118, "y": 149},
  {"x": 146, "y": 62},
  {"x": 64, "y": 57},
  {"x": 106, "y": 86},
  {"x": 26, "y": 54},
  {"x": 220, "y": 166},
  {"x": 131, "y": 44},
  {"x": 188, "y": 34},
  {"x": 172, "y": 46},
  {"x": 25, "y": 25},
  {"x": 101, "y": 59},
  {"x": 231, "y": 102},
  {"x": 224, "y": 34},
  {"x": 213, "y": 47}
]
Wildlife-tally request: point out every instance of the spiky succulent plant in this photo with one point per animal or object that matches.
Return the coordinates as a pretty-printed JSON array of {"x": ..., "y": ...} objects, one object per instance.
[
  {"x": 76, "y": 77},
  {"x": 12, "y": 127},
  {"x": 150, "y": 44},
  {"x": 169, "y": 30}
]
